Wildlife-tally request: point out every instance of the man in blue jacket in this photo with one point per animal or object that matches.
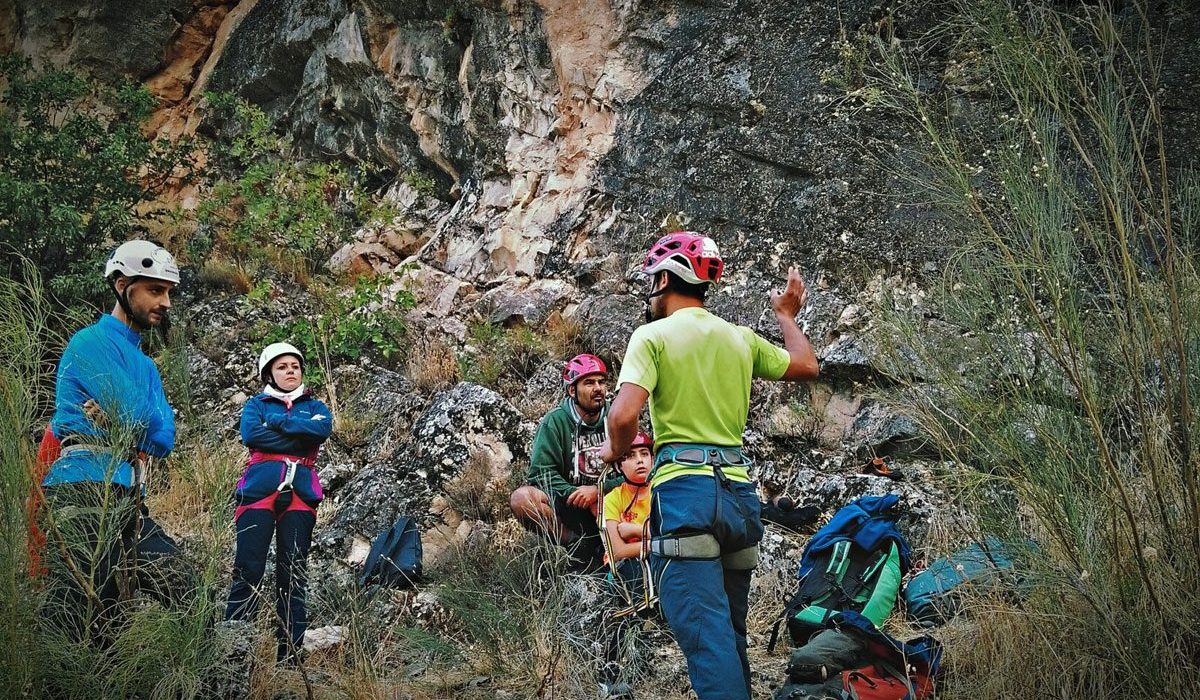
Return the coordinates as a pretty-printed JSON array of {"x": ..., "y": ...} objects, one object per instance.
[{"x": 111, "y": 415}]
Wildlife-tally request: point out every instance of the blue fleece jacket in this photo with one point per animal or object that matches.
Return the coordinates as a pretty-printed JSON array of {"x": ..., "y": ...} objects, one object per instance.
[
  {"x": 270, "y": 426},
  {"x": 105, "y": 362}
]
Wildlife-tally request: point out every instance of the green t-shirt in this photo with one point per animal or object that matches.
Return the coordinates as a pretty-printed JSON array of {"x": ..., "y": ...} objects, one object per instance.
[{"x": 697, "y": 369}]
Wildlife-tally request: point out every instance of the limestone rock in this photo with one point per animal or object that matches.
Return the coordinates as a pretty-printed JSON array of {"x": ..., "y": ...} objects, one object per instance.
[
  {"x": 459, "y": 423},
  {"x": 607, "y": 323},
  {"x": 523, "y": 301},
  {"x": 108, "y": 38},
  {"x": 437, "y": 294},
  {"x": 325, "y": 637},
  {"x": 878, "y": 430}
]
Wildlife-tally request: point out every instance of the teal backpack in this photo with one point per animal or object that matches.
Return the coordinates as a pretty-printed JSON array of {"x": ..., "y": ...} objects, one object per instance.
[{"x": 936, "y": 594}]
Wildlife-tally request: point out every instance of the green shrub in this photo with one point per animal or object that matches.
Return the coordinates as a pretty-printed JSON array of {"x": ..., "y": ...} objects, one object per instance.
[
  {"x": 1064, "y": 376},
  {"x": 262, "y": 200},
  {"x": 74, "y": 165},
  {"x": 501, "y": 355},
  {"x": 422, "y": 183},
  {"x": 346, "y": 326}
]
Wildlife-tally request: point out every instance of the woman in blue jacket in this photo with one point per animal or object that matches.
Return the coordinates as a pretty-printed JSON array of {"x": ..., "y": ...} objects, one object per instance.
[{"x": 279, "y": 492}]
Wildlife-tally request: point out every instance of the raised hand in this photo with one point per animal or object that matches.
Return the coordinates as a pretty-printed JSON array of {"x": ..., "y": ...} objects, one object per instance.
[{"x": 791, "y": 299}]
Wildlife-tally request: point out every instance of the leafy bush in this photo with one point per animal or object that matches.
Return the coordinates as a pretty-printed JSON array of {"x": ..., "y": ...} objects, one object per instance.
[
  {"x": 497, "y": 354},
  {"x": 262, "y": 200},
  {"x": 422, "y": 183},
  {"x": 346, "y": 326},
  {"x": 1066, "y": 377},
  {"x": 74, "y": 165}
]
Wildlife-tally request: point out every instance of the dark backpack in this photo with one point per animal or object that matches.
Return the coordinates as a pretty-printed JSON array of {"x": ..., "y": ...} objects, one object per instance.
[
  {"x": 935, "y": 595},
  {"x": 854, "y": 563},
  {"x": 395, "y": 557},
  {"x": 853, "y": 660}
]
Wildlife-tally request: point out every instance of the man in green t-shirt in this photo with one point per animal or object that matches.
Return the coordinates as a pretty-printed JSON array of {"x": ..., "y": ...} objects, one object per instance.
[
  {"x": 561, "y": 497},
  {"x": 695, "y": 369}
]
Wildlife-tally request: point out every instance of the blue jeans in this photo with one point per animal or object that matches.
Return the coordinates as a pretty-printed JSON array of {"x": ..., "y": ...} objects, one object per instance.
[
  {"x": 293, "y": 535},
  {"x": 704, "y": 603}
]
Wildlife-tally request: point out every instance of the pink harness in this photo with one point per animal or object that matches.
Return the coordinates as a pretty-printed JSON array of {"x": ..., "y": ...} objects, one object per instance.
[{"x": 268, "y": 502}]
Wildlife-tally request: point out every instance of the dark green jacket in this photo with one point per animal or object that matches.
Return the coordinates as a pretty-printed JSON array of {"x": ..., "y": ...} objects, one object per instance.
[{"x": 556, "y": 451}]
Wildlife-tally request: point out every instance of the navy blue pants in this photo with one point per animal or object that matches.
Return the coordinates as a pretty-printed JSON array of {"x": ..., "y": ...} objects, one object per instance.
[
  {"x": 293, "y": 535},
  {"x": 704, "y": 603}
]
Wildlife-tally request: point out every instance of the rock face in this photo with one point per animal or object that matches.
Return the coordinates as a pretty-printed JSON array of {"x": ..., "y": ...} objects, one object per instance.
[
  {"x": 538, "y": 116},
  {"x": 406, "y": 469}
]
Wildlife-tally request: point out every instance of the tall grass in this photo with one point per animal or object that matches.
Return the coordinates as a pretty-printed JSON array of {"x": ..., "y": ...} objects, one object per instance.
[
  {"x": 1058, "y": 370},
  {"x": 149, "y": 651},
  {"x": 24, "y": 324}
]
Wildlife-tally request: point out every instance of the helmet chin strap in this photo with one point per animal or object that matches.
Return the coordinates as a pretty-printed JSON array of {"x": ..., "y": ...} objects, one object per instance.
[
  {"x": 650, "y": 295},
  {"x": 123, "y": 300}
]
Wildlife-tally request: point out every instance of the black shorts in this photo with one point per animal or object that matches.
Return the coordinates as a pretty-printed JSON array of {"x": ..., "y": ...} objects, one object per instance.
[{"x": 580, "y": 521}]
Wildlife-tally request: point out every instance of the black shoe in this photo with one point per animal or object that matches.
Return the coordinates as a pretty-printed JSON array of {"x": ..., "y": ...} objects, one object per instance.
[{"x": 787, "y": 515}]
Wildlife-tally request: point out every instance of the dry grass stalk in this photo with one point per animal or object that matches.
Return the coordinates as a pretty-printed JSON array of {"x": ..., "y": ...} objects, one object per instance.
[{"x": 432, "y": 365}]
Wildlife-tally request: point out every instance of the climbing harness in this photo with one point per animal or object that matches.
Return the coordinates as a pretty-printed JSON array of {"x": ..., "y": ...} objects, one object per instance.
[
  {"x": 704, "y": 545},
  {"x": 649, "y": 595}
]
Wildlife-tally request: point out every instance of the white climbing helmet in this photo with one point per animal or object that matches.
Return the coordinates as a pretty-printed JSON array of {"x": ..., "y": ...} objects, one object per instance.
[
  {"x": 273, "y": 352},
  {"x": 142, "y": 259}
]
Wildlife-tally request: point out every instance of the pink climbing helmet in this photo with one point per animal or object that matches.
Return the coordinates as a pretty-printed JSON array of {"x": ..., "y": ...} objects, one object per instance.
[
  {"x": 642, "y": 439},
  {"x": 582, "y": 366},
  {"x": 692, "y": 256}
]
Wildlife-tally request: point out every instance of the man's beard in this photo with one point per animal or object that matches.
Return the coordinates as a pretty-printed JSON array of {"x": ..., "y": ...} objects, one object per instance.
[
  {"x": 650, "y": 315},
  {"x": 594, "y": 407},
  {"x": 163, "y": 327}
]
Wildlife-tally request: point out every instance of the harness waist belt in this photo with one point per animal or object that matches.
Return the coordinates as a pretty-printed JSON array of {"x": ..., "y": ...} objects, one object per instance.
[
  {"x": 76, "y": 447},
  {"x": 256, "y": 457},
  {"x": 83, "y": 447},
  {"x": 741, "y": 560},
  {"x": 703, "y": 545},
  {"x": 699, "y": 455},
  {"x": 700, "y": 545}
]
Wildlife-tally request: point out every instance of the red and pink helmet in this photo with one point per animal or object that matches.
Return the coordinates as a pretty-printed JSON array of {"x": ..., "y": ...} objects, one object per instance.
[
  {"x": 691, "y": 256},
  {"x": 642, "y": 439},
  {"x": 582, "y": 366}
]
